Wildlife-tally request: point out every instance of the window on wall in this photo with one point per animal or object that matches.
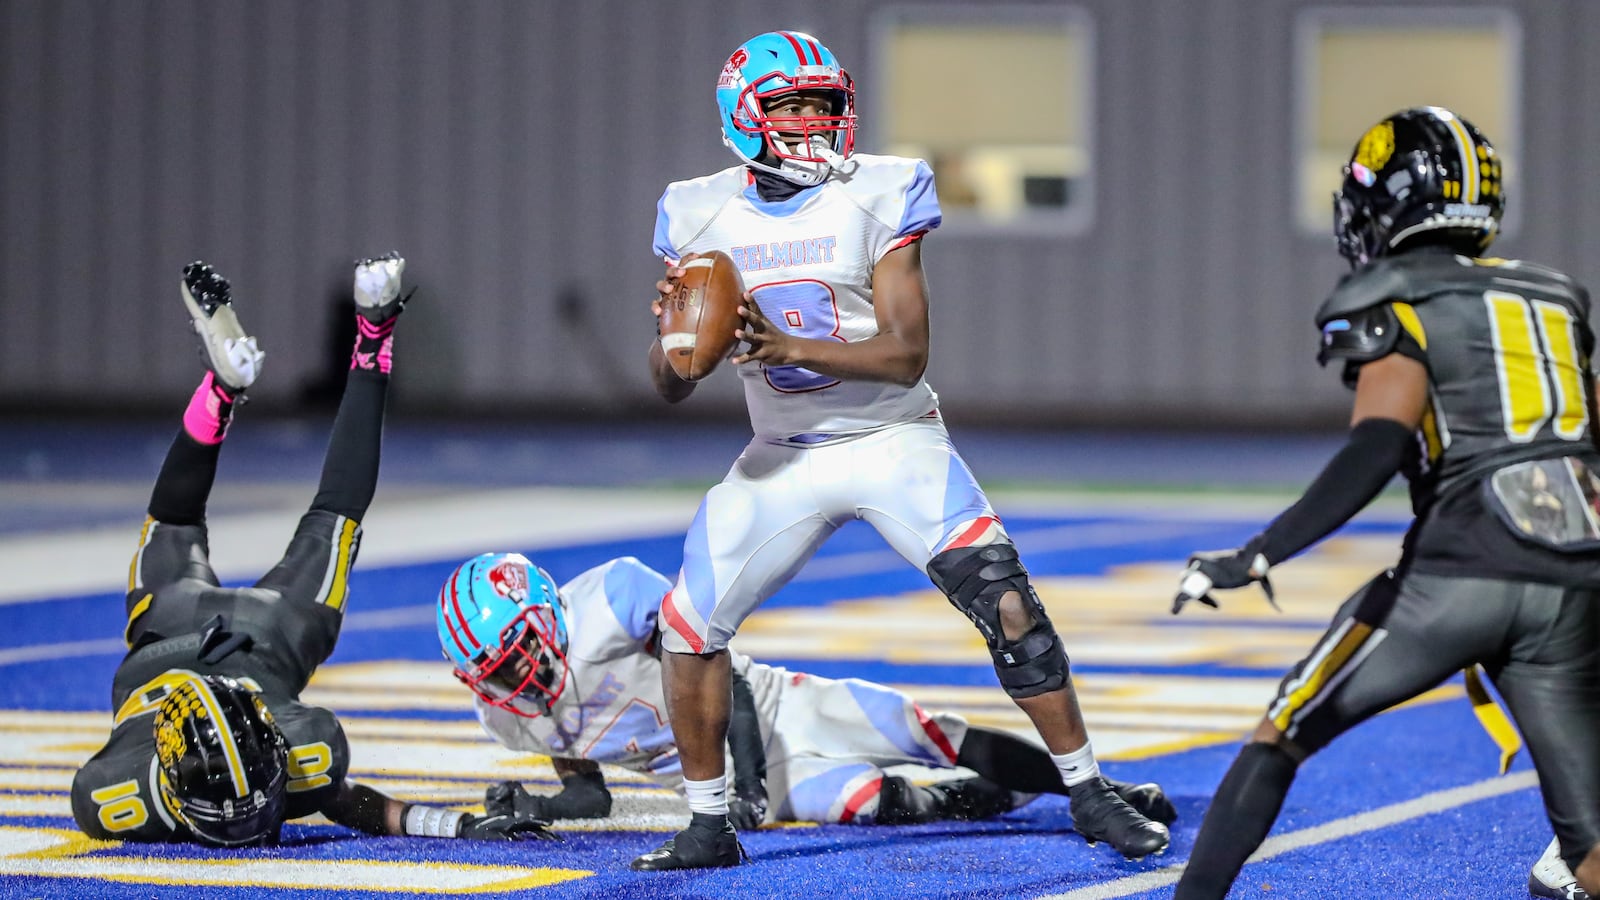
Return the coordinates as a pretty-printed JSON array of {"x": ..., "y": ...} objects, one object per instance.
[
  {"x": 997, "y": 100},
  {"x": 1357, "y": 67}
]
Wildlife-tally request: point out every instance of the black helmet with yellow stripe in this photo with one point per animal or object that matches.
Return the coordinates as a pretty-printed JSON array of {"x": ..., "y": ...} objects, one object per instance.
[
  {"x": 1423, "y": 175},
  {"x": 223, "y": 763}
]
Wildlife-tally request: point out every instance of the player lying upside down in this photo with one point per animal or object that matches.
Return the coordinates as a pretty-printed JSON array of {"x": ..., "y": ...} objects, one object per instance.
[
  {"x": 210, "y": 742},
  {"x": 575, "y": 673}
]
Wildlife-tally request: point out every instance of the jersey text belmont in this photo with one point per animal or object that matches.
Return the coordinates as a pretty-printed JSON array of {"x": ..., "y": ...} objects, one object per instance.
[{"x": 779, "y": 254}]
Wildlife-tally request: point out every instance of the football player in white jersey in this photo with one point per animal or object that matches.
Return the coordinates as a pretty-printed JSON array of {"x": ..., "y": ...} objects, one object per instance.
[
  {"x": 836, "y": 332},
  {"x": 574, "y": 673}
]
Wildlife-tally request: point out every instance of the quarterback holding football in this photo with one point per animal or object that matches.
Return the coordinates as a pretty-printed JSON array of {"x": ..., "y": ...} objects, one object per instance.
[{"x": 835, "y": 325}]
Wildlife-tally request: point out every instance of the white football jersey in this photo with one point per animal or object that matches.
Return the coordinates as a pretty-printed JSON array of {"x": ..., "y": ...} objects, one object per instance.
[
  {"x": 826, "y": 741},
  {"x": 611, "y": 709},
  {"x": 808, "y": 262}
]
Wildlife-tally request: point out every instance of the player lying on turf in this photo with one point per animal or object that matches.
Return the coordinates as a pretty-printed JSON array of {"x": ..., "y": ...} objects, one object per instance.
[
  {"x": 209, "y": 742},
  {"x": 575, "y": 673}
]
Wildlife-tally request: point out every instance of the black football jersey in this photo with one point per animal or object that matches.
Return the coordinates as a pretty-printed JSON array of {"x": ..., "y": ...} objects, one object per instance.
[
  {"x": 1507, "y": 346},
  {"x": 114, "y": 794}
]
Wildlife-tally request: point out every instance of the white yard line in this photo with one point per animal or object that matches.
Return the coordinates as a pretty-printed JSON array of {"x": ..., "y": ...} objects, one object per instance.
[{"x": 1327, "y": 833}]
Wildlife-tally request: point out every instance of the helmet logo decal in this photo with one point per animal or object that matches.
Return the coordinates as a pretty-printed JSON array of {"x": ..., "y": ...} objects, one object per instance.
[
  {"x": 730, "y": 70},
  {"x": 170, "y": 745},
  {"x": 510, "y": 580},
  {"x": 1363, "y": 174},
  {"x": 1376, "y": 146}
]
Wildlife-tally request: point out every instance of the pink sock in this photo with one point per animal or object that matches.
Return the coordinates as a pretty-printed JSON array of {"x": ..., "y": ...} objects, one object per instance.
[
  {"x": 210, "y": 410},
  {"x": 374, "y": 350}
]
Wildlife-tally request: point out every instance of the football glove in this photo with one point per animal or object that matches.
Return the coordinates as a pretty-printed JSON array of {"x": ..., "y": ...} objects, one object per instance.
[
  {"x": 747, "y": 809},
  {"x": 1222, "y": 569},
  {"x": 505, "y": 828},
  {"x": 583, "y": 796}
]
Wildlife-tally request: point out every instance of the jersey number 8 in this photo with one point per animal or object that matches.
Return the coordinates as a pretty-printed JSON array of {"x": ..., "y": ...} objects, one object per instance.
[{"x": 804, "y": 308}]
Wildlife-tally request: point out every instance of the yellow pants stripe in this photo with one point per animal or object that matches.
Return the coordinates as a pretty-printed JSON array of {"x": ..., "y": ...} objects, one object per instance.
[
  {"x": 1493, "y": 719},
  {"x": 138, "y": 554},
  {"x": 1334, "y": 660},
  {"x": 139, "y": 609},
  {"x": 339, "y": 588}
]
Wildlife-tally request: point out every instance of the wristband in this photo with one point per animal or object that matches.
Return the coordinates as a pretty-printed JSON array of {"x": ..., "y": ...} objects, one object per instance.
[{"x": 431, "y": 821}]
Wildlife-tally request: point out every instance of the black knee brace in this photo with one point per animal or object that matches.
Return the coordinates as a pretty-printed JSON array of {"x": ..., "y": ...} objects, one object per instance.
[{"x": 975, "y": 578}]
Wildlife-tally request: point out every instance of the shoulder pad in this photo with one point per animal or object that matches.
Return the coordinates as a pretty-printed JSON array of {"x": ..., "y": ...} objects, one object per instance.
[
  {"x": 1378, "y": 283},
  {"x": 1362, "y": 336},
  {"x": 687, "y": 208}
]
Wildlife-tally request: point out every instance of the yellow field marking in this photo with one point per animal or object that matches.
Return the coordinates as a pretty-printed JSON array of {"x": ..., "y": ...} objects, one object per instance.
[{"x": 58, "y": 853}]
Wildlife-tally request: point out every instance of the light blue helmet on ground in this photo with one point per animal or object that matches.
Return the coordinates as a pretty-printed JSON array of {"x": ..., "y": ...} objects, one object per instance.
[
  {"x": 503, "y": 626},
  {"x": 801, "y": 149}
]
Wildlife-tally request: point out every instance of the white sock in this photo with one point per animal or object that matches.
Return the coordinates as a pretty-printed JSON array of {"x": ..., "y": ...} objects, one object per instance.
[
  {"x": 1076, "y": 767},
  {"x": 709, "y": 796}
]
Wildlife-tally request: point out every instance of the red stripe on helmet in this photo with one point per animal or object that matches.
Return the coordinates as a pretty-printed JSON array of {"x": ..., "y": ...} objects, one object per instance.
[
  {"x": 815, "y": 50},
  {"x": 451, "y": 626},
  {"x": 799, "y": 51},
  {"x": 676, "y": 622},
  {"x": 455, "y": 603}
]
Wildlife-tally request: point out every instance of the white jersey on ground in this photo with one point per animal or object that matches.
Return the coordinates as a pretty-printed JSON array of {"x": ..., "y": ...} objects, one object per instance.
[
  {"x": 808, "y": 261},
  {"x": 827, "y": 741}
]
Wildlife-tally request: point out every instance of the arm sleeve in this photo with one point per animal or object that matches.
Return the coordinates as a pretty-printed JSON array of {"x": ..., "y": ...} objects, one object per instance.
[
  {"x": 744, "y": 738},
  {"x": 1354, "y": 476},
  {"x": 663, "y": 236},
  {"x": 920, "y": 213},
  {"x": 634, "y": 592}
]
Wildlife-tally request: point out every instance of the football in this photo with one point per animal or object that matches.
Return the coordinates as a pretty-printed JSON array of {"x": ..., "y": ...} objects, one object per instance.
[{"x": 699, "y": 318}]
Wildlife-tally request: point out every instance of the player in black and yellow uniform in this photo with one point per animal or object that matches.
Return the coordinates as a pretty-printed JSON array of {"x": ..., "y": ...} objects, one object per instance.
[
  {"x": 210, "y": 742},
  {"x": 1472, "y": 376}
]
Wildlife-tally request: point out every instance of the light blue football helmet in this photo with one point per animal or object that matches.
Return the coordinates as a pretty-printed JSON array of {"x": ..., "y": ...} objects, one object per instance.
[
  {"x": 503, "y": 626},
  {"x": 800, "y": 149}
]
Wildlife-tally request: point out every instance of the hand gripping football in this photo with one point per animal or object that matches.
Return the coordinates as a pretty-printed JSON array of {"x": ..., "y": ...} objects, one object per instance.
[{"x": 699, "y": 318}]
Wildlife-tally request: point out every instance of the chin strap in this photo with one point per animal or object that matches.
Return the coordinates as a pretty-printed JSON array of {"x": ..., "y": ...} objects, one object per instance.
[{"x": 793, "y": 175}]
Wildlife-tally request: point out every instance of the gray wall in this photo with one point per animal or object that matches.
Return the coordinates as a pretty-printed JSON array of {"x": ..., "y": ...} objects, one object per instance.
[{"x": 514, "y": 151}]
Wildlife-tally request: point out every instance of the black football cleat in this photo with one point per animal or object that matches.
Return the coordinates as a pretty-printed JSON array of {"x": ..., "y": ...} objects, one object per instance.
[
  {"x": 972, "y": 799},
  {"x": 232, "y": 355},
  {"x": 703, "y": 845},
  {"x": 1147, "y": 799},
  {"x": 1099, "y": 814}
]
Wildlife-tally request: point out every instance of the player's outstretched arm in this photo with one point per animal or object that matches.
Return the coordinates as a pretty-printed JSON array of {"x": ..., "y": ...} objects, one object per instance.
[
  {"x": 1391, "y": 394},
  {"x": 583, "y": 794},
  {"x": 374, "y": 812}
]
